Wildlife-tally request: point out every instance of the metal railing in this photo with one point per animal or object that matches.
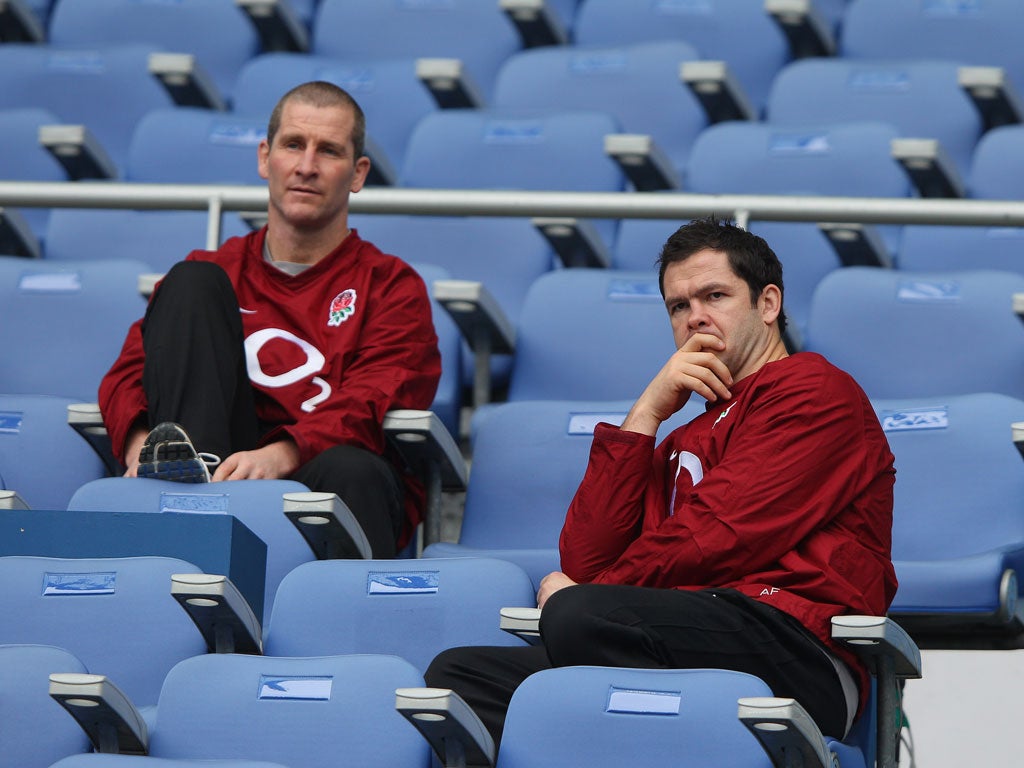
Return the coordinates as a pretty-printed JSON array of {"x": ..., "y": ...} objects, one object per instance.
[{"x": 215, "y": 199}]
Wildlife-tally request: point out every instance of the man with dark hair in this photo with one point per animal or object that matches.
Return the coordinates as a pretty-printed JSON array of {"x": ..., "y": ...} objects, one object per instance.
[
  {"x": 278, "y": 355},
  {"x": 733, "y": 542}
]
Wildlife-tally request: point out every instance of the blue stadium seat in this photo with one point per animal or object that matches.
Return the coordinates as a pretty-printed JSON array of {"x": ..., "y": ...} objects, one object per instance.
[
  {"x": 410, "y": 608},
  {"x": 505, "y": 254},
  {"x": 160, "y": 239},
  {"x": 915, "y": 334},
  {"x": 24, "y": 159},
  {"x": 28, "y": 711},
  {"x": 96, "y": 760},
  {"x": 738, "y": 32},
  {"x": 115, "y": 614},
  {"x": 295, "y": 711},
  {"x": 639, "y": 84},
  {"x": 958, "y": 535},
  {"x": 948, "y": 248},
  {"x": 41, "y": 457},
  {"x": 998, "y": 164},
  {"x": 473, "y": 31},
  {"x": 188, "y": 145},
  {"x": 62, "y": 324},
  {"x": 922, "y": 98},
  {"x": 108, "y": 89},
  {"x": 388, "y": 91},
  {"x": 216, "y": 32},
  {"x": 977, "y": 33},
  {"x": 847, "y": 159},
  {"x": 258, "y": 504},
  {"x": 614, "y": 710},
  {"x": 590, "y": 334}
]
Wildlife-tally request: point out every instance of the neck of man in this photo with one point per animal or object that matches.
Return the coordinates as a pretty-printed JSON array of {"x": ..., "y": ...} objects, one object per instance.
[
  {"x": 299, "y": 246},
  {"x": 774, "y": 349}
]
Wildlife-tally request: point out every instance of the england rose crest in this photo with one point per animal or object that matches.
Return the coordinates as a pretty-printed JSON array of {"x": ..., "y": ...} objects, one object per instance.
[{"x": 343, "y": 306}]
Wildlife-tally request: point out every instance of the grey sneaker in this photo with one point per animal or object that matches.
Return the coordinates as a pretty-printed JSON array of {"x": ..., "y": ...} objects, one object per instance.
[{"x": 168, "y": 454}]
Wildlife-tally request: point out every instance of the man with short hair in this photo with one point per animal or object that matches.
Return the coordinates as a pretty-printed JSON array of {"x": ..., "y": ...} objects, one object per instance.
[
  {"x": 733, "y": 542},
  {"x": 278, "y": 355}
]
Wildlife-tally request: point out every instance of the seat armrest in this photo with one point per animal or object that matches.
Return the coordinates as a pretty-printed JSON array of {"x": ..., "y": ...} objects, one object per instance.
[
  {"x": 16, "y": 236},
  {"x": 277, "y": 24},
  {"x": 930, "y": 170},
  {"x": 449, "y": 83},
  {"x": 78, "y": 151},
  {"x": 86, "y": 420},
  {"x": 108, "y": 717},
  {"x": 717, "y": 90},
  {"x": 1017, "y": 427},
  {"x": 424, "y": 441},
  {"x": 804, "y": 27},
  {"x": 11, "y": 500},
  {"x": 536, "y": 23},
  {"x": 452, "y": 729},
  {"x": 186, "y": 81},
  {"x": 642, "y": 161},
  {"x": 876, "y": 637},
  {"x": 327, "y": 525},
  {"x": 524, "y": 623},
  {"x": 483, "y": 324},
  {"x": 576, "y": 242},
  {"x": 785, "y": 730},
  {"x": 19, "y": 24},
  {"x": 857, "y": 245},
  {"x": 431, "y": 453},
  {"x": 224, "y": 617},
  {"x": 994, "y": 96}
]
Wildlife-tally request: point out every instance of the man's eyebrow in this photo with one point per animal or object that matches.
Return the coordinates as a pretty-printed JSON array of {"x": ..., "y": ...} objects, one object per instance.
[{"x": 701, "y": 290}]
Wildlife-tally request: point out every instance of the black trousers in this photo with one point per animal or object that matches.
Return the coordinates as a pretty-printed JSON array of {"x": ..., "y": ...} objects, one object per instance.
[
  {"x": 639, "y": 627},
  {"x": 195, "y": 374}
]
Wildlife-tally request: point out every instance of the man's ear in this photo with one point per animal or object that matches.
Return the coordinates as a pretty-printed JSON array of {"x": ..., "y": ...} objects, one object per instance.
[
  {"x": 770, "y": 303},
  {"x": 262, "y": 159},
  {"x": 362, "y": 170}
]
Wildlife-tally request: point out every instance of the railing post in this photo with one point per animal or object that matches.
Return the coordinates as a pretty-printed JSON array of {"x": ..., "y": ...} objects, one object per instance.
[{"x": 213, "y": 223}]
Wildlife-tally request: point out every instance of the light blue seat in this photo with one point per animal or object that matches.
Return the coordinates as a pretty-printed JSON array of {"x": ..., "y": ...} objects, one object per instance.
[
  {"x": 258, "y": 504},
  {"x": 387, "y": 90},
  {"x": 948, "y": 248},
  {"x": 28, "y": 711},
  {"x": 915, "y": 334},
  {"x": 158, "y": 238},
  {"x": 848, "y": 159},
  {"x": 62, "y": 324},
  {"x": 115, "y": 614},
  {"x": 680, "y": 717},
  {"x": 189, "y": 145},
  {"x": 738, "y": 32},
  {"x": 639, "y": 84},
  {"x": 410, "y": 608},
  {"x": 473, "y": 31},
  {"x": 590, "y": 334},
  {"x": 922, "y": 98},
  {"x": 977, "y": 33},
  {"x": 41, "y": 457},
  {"x": 311, "y": 711},
  {"x": 107, "y": 89},
  {"x": 958, "y": 532},
  {"x": 216, "y": 32},
  {"x": 504, "y": 254},
  {"x": 96, "y": 760}
]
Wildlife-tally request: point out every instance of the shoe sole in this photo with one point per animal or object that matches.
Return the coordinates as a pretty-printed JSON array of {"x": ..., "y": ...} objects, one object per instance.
[{"x": 190, "y": 470}]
